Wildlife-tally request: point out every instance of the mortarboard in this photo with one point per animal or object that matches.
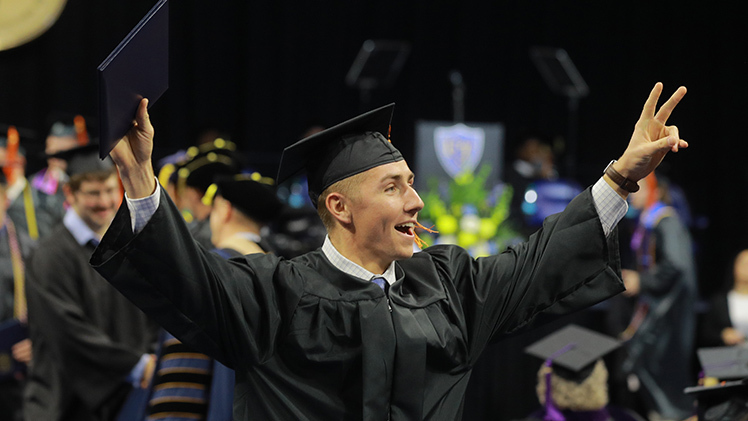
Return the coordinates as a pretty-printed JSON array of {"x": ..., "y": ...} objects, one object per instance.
[
  {"x": 137, "y": 68},
  {"x": 169, "y": 165},
  {"x": 252, "y": 194},
  {"x": 339, "y": 152},
  {"x": 207, "y": 162},
  {"x": 573, "y": 348},
  {"x": 60, "y": 129},
  {"x": 723, "y": 401},
  {"x": 725, "y": 362},
  {"x": 84, "y": 159},
  {"x": 573, "y": 352}
]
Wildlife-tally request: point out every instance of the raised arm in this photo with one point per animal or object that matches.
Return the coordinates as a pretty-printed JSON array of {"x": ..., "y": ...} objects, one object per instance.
[
  {"x": 651, "y": 140},
  {"x": 132, "y": 156}
]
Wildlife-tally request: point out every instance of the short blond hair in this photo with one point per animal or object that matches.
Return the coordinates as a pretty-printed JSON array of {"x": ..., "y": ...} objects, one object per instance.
[
  {"x": 347, "y": 187},
  {"x": 589, "y": 395}
]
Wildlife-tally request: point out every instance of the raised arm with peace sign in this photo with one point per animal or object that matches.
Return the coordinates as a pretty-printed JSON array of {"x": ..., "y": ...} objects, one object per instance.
[{"x": 652, "y": 138}]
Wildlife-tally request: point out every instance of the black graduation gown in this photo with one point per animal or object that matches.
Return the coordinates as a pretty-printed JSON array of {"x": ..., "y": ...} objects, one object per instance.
[
  {"x": 48, "y": 210},
  {"x": 309, "y": 342},
  {"x": 10, "y": 388},
  {"x": 660, "y": 352},
  {"x": 7, "y": 287},
  {"x": 86, "y": 337}
]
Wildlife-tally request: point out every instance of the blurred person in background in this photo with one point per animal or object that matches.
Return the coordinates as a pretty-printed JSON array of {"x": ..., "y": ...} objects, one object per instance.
[
  {"x": 662, "y": 331},
  {"x": 726, "y": 321},
  {"x": 15, "y": 248},
  {"x": 92, "y": 347}
]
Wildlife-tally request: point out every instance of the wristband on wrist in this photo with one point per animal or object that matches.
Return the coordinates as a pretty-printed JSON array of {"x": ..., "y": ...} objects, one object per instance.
[{"x": 618, "y": 178}]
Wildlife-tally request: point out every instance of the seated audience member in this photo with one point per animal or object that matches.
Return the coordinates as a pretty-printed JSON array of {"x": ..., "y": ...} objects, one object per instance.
[{"x": 726, "y": 322}]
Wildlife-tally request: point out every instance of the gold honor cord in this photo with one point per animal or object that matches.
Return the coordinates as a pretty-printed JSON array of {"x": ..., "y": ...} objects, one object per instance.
[
  {"x": 28, "y": 204},
  {"x": 19, "y": 292}
]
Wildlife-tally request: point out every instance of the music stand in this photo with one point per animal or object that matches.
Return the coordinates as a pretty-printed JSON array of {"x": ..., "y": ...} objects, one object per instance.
[
  {"x": 376, "y": 66},
  {"x": 563, "y": 78}
]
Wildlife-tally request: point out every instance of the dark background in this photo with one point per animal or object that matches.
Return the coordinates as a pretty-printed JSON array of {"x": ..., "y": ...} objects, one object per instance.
[{"x": 264, "y": 71}]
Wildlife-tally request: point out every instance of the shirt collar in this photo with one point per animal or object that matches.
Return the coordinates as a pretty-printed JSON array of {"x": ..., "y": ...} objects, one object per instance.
[
  {"x": 345, "y": 265},
  {"x": 249, "y": 236},
  {"x": 81, "y": 232}
]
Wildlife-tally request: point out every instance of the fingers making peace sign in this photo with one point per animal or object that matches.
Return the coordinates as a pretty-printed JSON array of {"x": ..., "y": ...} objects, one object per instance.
[{"x": 652, "y": 137}]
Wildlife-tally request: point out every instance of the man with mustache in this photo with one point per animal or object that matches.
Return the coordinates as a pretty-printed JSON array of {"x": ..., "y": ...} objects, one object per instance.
[{"x": 91, "y": 345}]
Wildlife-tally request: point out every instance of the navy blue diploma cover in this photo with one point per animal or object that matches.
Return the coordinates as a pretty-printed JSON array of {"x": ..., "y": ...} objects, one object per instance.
[{"x": 138, "y": 68}]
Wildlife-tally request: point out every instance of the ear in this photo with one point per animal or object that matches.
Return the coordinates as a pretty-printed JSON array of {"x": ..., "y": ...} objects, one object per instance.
[
  {"x": 222, "y": 208},
  {"x": 339, "y": 207}
]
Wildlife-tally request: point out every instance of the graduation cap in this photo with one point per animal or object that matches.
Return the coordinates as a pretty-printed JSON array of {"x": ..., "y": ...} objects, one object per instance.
[
  {"x": 725, "y": 362},
  {"x": 572, "y": 352},
  {"x": 83, "y": 160},
  {"x": 339, "y": 152},
  {"x": 206, "y": 163},
  {"x": 724, "y": 401},
  {"x": 251, "y": 194},
  {"x": 65, "y": 124},
  {"x": 169, "y": 165}
]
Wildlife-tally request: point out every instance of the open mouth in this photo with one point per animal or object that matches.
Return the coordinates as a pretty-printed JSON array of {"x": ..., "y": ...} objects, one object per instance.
[{"x": 407, "y": 228}]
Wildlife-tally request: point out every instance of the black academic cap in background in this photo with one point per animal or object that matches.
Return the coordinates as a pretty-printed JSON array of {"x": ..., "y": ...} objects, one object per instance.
[
  {"x": 169, "y": 165},
  {"x": 573, "y": 350},
  {"x": 252, "y": 194},
  {"x": 725, "y": 362},
  {"x": 206, "y": 163},
  {"x": 61, "y": 129},
  {"x": 84, "y": 159},
  {"x": 721, "y": 402},
  {"x": 339, "y": 152}
]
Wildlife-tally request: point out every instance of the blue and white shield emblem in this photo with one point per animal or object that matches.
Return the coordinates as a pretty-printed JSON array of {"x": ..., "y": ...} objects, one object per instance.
[{"x": 459, "y": 148}]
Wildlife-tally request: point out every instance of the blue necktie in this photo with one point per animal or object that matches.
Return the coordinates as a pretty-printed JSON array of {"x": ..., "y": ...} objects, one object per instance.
[{"x": 382, "y": 283}]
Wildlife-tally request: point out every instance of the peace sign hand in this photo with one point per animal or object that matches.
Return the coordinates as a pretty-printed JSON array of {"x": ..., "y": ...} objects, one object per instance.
[{"x": 652, "y": 138}]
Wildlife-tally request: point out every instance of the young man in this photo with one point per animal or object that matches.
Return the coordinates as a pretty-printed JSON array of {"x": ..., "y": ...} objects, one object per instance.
[
  {"x": 363, "y": 328},
  {"x": 90, "y": 344}
]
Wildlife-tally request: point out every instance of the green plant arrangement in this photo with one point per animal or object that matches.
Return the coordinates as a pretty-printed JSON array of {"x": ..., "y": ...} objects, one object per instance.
[{"x": 469, "y": 214}]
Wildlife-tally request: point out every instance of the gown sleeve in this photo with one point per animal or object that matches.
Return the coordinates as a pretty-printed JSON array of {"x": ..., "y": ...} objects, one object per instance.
[
  {"x": 231, "y": 310},
  {"x": 566, "y": 266}
]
